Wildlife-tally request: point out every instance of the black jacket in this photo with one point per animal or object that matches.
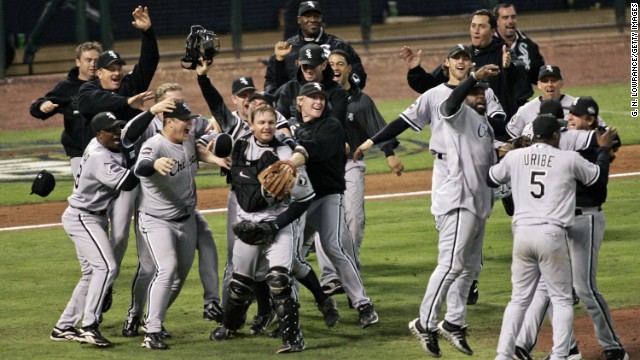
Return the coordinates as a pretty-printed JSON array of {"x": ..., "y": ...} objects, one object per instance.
[
  {"x": 337, "y": 96},
  {"x": 279, "y": 72},
  {"x": 324, "y": 140},
  {"x": 77, "y": 130},
  {"x": 528, "y": 53},
  {"x": 94, "y": 99}
]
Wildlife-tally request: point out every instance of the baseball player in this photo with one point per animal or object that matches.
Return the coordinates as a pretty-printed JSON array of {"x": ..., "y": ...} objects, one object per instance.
[
  {"x": 249, "y": 157},
  {"x": 282, "y": 67},
  {"x": 543, "y": 180},
  {"x": 148, "y": 124},
  {"x": 585, "y": 239},
  {"x": 102, "y": 174},
  {"x": 523, "y": 49},
  {"x": 313, "y": 68},
  {"x": 167, "y": 166},
  {"x": 124, "y": 95},
  {"x": 363, "y": 121},
  {"x": 550, "y": 84},
  {"x": 424, "y": 111},
  {"x": 62, "y": 99}
]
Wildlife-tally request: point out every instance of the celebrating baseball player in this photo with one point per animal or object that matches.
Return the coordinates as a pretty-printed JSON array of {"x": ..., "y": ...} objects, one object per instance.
[
  {"x": 102, "y": 174},
  {"x": 267, "y": 229},
  {"x": 167, "y": 166},
  {"x": 585, "y": 240},
  {"x": 282, "y": 65},
  {"x": 543, "y": 180},
  {"x": 147, "y": 124}
]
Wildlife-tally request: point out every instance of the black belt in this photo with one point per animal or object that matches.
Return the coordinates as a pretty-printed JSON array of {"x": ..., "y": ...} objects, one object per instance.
[
  {"x": 579, "y": 211},
  {"x": 182, "y": 218},
  {"x": 97, "y": 213}
]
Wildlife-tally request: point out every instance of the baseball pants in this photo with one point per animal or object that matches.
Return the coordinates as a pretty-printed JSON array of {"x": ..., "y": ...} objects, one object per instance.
[
  {"x": 172, "y": 247},
  {"x": 98, "y": 264},
  {"x": 539, "y": 251}
]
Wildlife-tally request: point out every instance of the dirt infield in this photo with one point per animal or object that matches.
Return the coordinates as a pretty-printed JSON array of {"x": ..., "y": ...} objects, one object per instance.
[{"x": 584, "y": 60}]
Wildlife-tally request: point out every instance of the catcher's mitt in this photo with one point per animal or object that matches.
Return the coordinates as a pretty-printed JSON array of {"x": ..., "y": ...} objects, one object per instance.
[
  {"x": 278, "y": 178},
  {"x": 255, "y": 233},
  {"x": 515, "y": 143}
]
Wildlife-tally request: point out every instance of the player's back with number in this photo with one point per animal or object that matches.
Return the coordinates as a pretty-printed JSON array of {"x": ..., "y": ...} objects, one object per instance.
[{"x": 543, "y": 180}]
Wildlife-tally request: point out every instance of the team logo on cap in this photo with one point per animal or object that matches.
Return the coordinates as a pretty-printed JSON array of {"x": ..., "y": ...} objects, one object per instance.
[
  {"x": 311, "y": 4},
  {"x": 307, "y": 53},
  {"x": 244, "y": 81},
  {"x": 460, "y": 46},
  {"x": 549, "y": 68},
  {"x": 317, "y": 86},
  {"x": 111, "y": 116},
  {"x": 112, "y": 54}
]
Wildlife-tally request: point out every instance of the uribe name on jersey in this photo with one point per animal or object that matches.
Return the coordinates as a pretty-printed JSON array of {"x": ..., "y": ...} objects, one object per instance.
[{"x": 541, "y": 160}]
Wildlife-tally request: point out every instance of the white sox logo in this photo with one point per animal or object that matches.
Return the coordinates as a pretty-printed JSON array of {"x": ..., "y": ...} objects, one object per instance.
[
  {"x": 244, "y": 81},
  {"x": 113, "y": 54},
  {"x": 186, "y": 107},
  {"x": 308, "y": 54},
  {"x": 311, "y": 4},
  {"x": 111, "y": 116},
  {"x": 317, "y": 86}
]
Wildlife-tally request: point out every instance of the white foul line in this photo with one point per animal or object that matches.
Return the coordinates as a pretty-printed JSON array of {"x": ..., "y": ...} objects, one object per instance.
[{"x": 222, "y": 210}]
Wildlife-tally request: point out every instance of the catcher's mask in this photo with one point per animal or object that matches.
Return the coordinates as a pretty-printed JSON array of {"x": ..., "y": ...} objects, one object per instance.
[{"x": 200, "y": 43}]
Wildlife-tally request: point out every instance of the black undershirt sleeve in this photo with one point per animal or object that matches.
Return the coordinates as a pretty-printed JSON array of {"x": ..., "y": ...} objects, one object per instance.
[{"x": 393, "y": 129}]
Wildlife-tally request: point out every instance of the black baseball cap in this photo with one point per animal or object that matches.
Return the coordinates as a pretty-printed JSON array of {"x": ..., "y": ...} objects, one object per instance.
[
  {"x": 482, "y": 85},
  {"x": 312, "y": 88},
  {"x": 549, "y": 70},
  {"x": 584, "y": 105},
  {"x": 109, "y": 57},
  {"x": 241, "y": 84},
  {"x": 181, "y": 112},
  {"x": 459, "y": 49},
  {"x": 43, "y": 184},
  {"x": 266, "y": 97},
  {"x": 553, "y": 107},
  {"x": 311, "y": 54},
  {"x": 307, "y": 6},
  {"x": 104, "y": 121},
  {"x": 544, "y": 126}
]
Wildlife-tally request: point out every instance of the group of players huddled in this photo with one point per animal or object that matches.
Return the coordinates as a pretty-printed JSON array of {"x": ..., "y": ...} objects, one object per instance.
[{"x": 135, "y": 161}]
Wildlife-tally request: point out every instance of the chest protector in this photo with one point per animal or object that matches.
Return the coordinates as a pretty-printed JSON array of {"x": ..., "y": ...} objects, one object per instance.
[{"x": 244, "y": 175}]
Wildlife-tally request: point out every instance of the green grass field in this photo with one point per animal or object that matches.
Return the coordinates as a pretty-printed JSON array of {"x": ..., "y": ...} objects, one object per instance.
[{"x": 39, "y": 270}]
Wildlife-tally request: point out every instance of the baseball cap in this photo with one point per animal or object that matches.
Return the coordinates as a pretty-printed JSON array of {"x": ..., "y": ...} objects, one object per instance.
[
  {"x": 307, "y": 6},
  {"x": 43, "y": 184},
  {"x": 311, "y": 54},
  {"x": 481, "y": 84},
  {"x": 544, "y": 126},
  {"x": 584, "y": 105},
  {"x": 553, "y": 107},
  {"x": 181, "y": 112},
  {"x": 109, "y": 57},
  {"x": 241, "y": 84},
  {"x": 549, "y": 70},
  {"x": 312, "y": 88},
  {"x": 457, "y": 49},
  {"x": 105, "y": 120},
  {"x": 266, "y": 97}
]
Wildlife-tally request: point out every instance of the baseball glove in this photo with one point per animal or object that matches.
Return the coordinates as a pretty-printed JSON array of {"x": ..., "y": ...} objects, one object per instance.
[
  {"x": 278, "y": 178},
  {"x": 255, "y": 233},
  {"x": 515, "y": 143}
]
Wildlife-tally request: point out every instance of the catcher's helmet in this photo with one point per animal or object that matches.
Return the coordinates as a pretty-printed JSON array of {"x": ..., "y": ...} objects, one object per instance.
[{"x": 200, "y": 43}]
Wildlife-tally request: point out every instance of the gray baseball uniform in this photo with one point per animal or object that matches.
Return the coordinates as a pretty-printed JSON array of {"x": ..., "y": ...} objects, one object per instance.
[
  {"x": 461, "y": 203},
  {"x": 585, "y": 239},
  {"x": 207, "y": 251},
  {"x": 543, "y": 180},
  {"x": 167, "y": 221},
  {"x": 100, "y": 176}
]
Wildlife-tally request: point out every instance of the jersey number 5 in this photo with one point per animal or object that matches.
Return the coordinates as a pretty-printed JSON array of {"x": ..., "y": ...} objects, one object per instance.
[{"x": 536, "y": 181}]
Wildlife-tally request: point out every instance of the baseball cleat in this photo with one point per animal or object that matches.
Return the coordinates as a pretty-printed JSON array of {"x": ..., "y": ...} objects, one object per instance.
[
  {"x": 368, "y": 315},
  {"x": 329, "y": 310},
  {"x": 333, "y": 287},
  {"x": 455, "y": 335},
  {"x": 213, "y": 312},
  {"x": 164, "y": 332},
  {"x": 221, "y": 333},
  {"x": 154, "y": 341},
  {"x": 261, "y": 322},
  {"x": 474, "y": 293},
  {"x": 616, "y": 354},
  {"x": 294, "y": 344},
  {"x": 131, "y": 326},
  {"x": 66, "y": 334},
  {"x": 574, "y": 354},
  {"x": 91, "y": 335},
  {"x": 521, "y": 354},
  {"x": 428, "y": 339}
]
